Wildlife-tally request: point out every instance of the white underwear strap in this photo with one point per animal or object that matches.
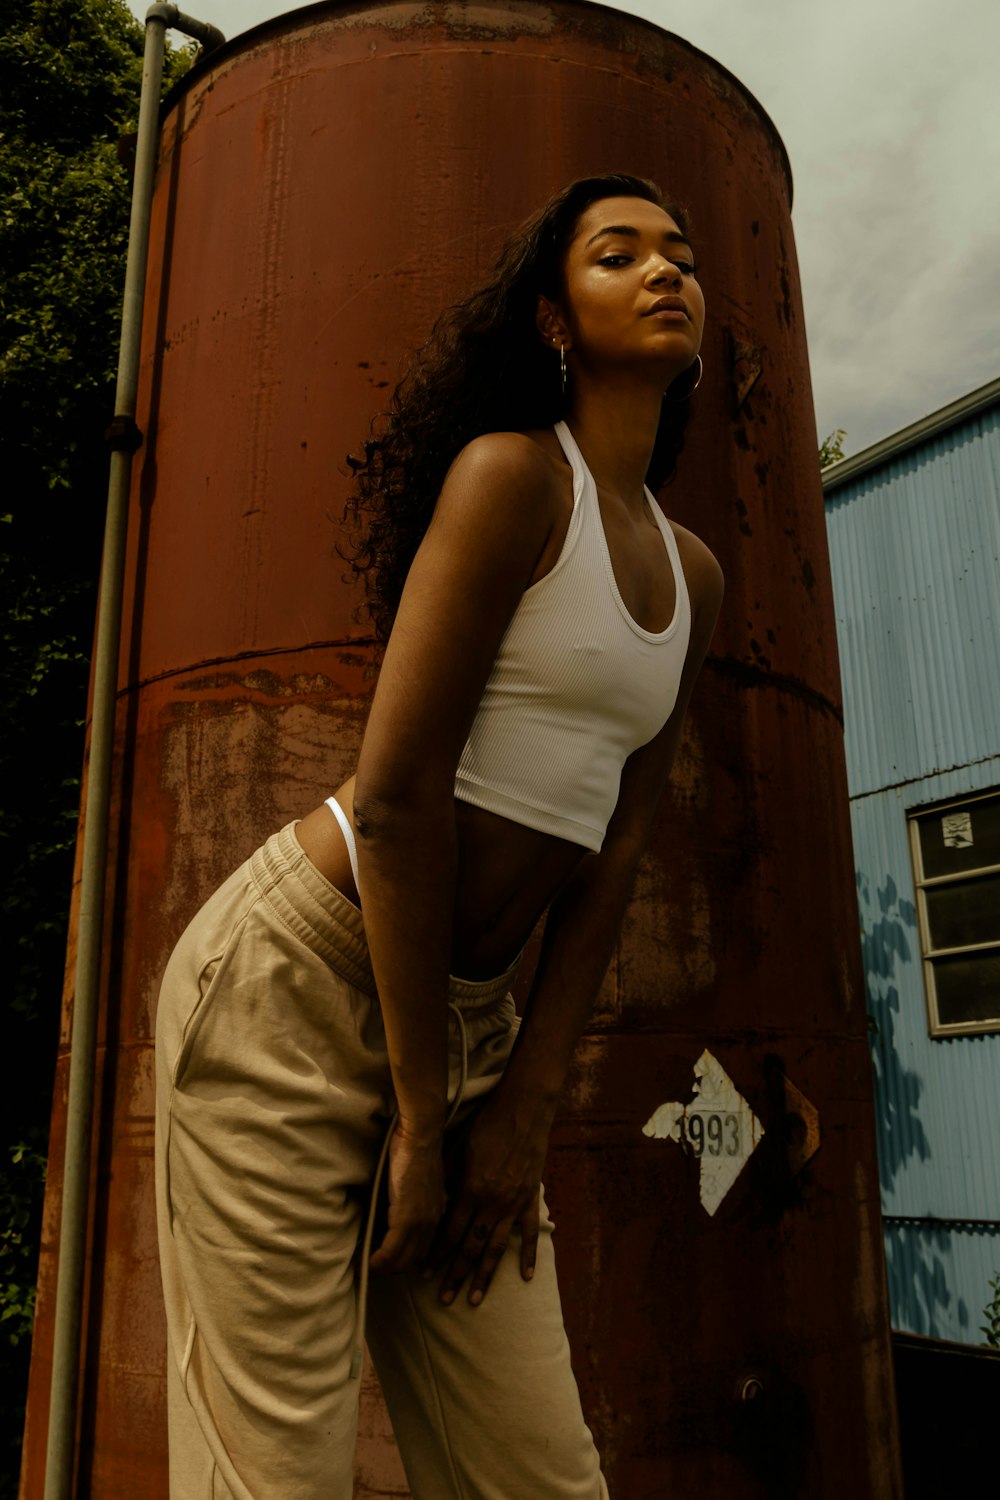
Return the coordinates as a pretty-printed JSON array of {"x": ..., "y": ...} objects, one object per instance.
[{"x": 347, "y": 831}]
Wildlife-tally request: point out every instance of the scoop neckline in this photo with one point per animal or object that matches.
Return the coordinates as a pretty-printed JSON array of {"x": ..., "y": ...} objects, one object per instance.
[{"x": 666, "y": 535}]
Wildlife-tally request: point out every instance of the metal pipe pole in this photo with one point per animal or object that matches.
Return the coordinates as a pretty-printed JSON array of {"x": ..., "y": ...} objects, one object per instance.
[{"x": 68, "y": 1319}]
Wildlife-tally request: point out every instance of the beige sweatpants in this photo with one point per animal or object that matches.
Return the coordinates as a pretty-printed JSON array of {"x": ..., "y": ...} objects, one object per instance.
[{"x": 273, "y": 1100}]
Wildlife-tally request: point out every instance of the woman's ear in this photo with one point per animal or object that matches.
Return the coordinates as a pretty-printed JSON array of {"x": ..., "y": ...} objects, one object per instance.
[{"x": 551, "y": 325}]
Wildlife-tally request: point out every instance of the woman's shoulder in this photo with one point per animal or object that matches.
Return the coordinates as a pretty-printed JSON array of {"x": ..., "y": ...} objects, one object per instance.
[
  {"x": 506, "y": 496},
  {"x": 702, "y": 571},
  {"x": 504, "y": 493},
  {"x": 529, "y": 459}
]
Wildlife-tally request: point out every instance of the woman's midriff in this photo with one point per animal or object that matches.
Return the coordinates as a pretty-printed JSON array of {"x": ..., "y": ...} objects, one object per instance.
[{"x": 506, "y": 877}]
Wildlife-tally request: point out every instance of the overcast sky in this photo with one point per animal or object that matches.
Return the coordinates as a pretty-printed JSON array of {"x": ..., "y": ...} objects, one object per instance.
[{"x": 890, "y": 113}]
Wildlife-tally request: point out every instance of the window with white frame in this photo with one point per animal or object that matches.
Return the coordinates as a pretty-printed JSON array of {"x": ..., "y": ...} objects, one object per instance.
[{"x": 956, "y": 864}]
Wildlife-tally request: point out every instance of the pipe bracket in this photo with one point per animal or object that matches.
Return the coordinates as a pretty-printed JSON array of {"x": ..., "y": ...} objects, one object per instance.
[
  {"x": 203, "y": 32},
  {"x": 123, "y": 435}
]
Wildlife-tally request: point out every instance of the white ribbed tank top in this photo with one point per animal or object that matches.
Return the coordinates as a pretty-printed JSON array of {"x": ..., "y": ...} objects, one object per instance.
[{"x": 576, "y": 687}]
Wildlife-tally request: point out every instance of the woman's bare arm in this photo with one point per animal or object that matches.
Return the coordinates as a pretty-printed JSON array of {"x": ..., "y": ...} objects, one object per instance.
[
  {"x": 493, "y": 522},
  {"x": 507, "y": 1144}
]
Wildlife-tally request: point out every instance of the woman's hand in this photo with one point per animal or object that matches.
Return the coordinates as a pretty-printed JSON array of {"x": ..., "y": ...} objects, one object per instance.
[
  {"x": 500, "y": 1186},
  {"x": 416, "y": 1201}
]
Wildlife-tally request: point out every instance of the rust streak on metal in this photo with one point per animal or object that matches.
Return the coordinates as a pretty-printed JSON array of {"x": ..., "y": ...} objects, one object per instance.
[
  {"x": 342, "y": 643},
  {"x": 750, "y": 675}
]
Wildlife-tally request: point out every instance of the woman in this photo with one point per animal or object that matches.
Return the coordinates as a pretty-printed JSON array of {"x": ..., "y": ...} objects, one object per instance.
[{"x": 547, "y": 625}]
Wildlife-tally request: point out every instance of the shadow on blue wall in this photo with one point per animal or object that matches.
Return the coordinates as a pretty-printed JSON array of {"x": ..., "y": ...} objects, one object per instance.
[{"x": 916, "y": 1256}]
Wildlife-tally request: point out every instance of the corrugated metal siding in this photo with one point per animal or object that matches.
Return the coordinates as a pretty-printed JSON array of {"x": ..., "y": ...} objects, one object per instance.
[
  {"x": 939, "y": 1281},
  {"x": 915, "y": 555},
  {"x": 938, "y": 1098},
  {"x": 915, "y": 552}
]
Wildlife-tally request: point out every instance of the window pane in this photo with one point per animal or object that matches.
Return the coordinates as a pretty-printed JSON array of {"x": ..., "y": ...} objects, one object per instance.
[
  {"x": 960, "y": 838},
  {"x": 964, "y": 913},
  {"x": 968, "y": 988}
]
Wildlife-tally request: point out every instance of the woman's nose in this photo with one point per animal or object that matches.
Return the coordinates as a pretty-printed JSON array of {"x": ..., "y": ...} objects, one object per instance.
[{"x": 663, "y": 272}]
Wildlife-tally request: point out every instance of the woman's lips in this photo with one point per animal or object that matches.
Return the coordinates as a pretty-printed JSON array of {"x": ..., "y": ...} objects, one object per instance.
[{"x": 669, "y": 303}]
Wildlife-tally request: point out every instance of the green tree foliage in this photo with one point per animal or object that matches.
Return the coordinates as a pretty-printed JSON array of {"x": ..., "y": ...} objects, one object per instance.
[
  {"x": 831, "y": 449},
  {"x": 70, "y": 75}
]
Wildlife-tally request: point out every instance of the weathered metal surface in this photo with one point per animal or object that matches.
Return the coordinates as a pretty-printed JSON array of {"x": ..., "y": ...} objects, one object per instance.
[
  {"x": 326, "y": 186},
  {"x": 914, "y": 545}
]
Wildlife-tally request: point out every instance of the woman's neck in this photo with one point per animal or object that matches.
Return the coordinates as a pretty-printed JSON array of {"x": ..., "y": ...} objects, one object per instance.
[{"x": 616, "y": 432}]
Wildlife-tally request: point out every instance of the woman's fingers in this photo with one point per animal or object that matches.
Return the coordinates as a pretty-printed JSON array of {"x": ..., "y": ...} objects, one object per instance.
[
  {"x": 416, "y": 1202},
  {"x": 475, "y": 1242},
  {"x": 395, "y": 1253},
  {"x": 400, "y": 1250},
  {"x": 450, "y": 1234},
  {"x": 448, "y": 1247},
  {"x": 480, "y": 1249},
  {"x": 530, "y": 1220},
  {"x": 493, "y": 1254}
]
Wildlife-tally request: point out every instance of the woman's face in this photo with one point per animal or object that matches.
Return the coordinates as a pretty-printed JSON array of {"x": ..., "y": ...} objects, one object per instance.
[{"x": 630, "y": 290}]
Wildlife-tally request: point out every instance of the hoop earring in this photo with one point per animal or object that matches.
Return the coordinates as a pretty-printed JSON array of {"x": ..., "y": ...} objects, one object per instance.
[
  {"x": 675, "y": 389},
  {"x": 697, "y": 379},
  {"x": 562, "y": 367}
]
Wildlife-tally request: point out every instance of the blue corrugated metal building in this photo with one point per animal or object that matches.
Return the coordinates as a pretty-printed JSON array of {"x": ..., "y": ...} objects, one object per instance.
[{"x": 914, "y": 530}]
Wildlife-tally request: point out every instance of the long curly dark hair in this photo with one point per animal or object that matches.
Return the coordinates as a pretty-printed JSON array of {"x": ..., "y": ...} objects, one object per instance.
[{"x": 483, "y": 369}]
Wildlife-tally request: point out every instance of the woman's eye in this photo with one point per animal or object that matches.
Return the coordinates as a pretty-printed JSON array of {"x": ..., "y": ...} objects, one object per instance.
[
  {"x": 686, "y": 267},
  {"x": 614, "y": 260}
]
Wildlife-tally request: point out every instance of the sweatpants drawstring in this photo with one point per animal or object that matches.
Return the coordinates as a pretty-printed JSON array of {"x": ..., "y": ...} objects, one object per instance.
[{"x": 357, "y": 1355}]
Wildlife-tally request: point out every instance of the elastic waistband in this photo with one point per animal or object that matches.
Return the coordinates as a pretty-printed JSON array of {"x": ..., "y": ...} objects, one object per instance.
[{"x": 333, "y": 927}]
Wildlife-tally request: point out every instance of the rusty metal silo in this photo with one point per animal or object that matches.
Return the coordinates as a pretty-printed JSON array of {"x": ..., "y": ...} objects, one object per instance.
[{"x": 327, "y": 183}]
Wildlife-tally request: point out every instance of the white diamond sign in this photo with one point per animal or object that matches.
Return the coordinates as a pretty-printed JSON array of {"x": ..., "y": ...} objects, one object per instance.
[{"x": 718, "y": 1127}]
